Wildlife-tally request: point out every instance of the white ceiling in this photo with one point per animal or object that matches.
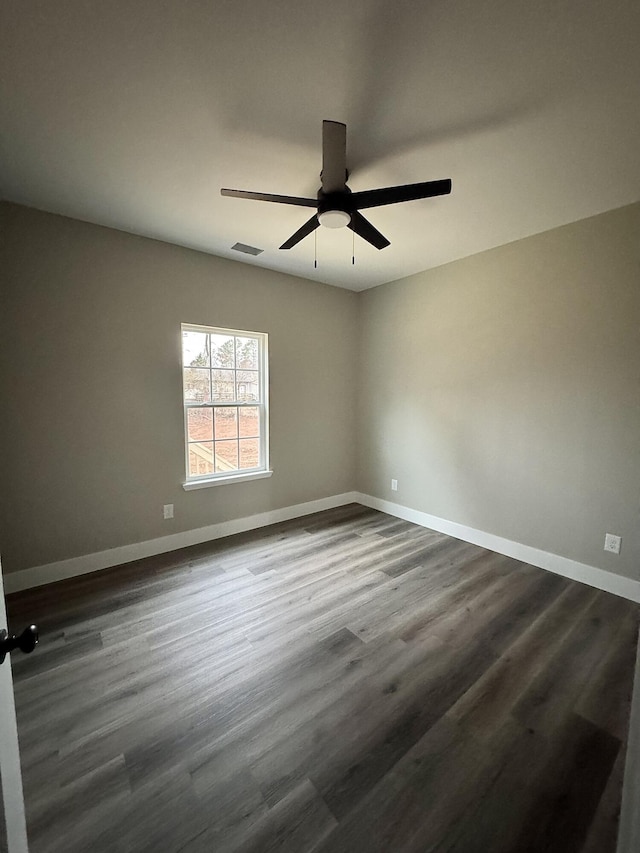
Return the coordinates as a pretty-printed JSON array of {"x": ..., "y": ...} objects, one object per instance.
[{"x": 135, "y": 114}]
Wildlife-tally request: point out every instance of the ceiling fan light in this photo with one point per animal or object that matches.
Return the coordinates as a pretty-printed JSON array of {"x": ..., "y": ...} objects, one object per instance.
[{"x": 334, "y": 218}]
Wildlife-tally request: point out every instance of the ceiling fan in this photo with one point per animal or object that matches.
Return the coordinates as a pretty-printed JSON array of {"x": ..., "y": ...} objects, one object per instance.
[{"x": 336, "y": 205}]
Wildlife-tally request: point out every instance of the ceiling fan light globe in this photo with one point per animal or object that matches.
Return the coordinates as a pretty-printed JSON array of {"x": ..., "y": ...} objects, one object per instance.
[{"x": 334, "y": 218}]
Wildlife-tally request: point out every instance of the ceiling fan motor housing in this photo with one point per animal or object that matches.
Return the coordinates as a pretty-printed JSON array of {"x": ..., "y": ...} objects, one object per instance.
[
  {"x": 334, "y": 210},
  {"x": 335, "y": 201}
]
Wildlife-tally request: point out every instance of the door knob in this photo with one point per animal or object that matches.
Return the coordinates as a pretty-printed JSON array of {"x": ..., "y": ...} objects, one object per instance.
[{"x": 26, "y": 642}]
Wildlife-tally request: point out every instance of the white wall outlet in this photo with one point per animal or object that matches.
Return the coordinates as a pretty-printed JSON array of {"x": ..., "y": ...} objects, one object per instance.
[
  {"x": 612, "y": 543},
  {"x": 394, "y": 485},
  {"x": 167, "y": 511}
]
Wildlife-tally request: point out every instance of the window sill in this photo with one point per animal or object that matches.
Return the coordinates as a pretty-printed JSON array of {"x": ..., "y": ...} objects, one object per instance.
[{"x": 223, "y": 481}]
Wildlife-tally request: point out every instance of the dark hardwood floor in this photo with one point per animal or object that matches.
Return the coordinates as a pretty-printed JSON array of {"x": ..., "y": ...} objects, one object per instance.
[{"x": 342, "y": 683}]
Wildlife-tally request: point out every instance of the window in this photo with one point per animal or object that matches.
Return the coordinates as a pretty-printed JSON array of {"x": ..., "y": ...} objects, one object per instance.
[{"x": 225, "y": 390}]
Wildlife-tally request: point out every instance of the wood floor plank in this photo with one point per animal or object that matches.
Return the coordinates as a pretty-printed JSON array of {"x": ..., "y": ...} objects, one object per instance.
[
  {"x": 575, "y": 776},
  {"x": 605, "y": 699},
  {"x": 411, "y": 800},
  {"x": 603, "y": 830},
  {"x": 488, "y": 704},
  {"x": 346, "y": 681},
  {"x": 557, "y": 688}
]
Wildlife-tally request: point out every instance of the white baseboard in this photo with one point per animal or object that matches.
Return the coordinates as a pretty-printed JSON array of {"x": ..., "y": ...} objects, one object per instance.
[
  {"x": 599, "y": 578},
  {"x": 63, "y": 569}
]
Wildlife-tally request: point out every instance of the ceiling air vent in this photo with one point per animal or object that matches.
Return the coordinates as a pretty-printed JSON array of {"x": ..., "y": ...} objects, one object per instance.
[{"x": 248, "y": 250}]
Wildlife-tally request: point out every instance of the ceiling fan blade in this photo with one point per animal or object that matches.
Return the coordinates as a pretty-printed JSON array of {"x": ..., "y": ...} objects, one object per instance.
[
  {"x": 363, "y": 228},
  {"x": 334, "y": 156},
  {"x": 280, "y": 199},
  {"x": 393, "y": 195},
  {"x": 309, "y": 226}
]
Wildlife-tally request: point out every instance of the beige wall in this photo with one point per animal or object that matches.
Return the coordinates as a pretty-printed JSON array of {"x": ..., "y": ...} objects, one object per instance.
[
  {"x": 503, "y": 391},
  {"x": 91, "y": 427}
]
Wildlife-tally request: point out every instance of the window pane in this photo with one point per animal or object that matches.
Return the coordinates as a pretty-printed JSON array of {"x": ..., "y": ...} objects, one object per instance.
[
  {"x": 200, "y": 424},
  {"x": 222, "y": 385},
  {"x": 226, "y": 455},
  {"x": 247, "y": 385},
  {"x": 226, "y": 422},
  {"x": 247, "y": 353},
  {"x": 225, "y": 400},
  {"x": 195, "y": 349},
  {"x": 249, "y": 422},
  {"x": 197, "y": 387},
  {"x": 200, "y": 459},
  {"x": 249, "y": 452},
  {"x": 222, "y": 351}
]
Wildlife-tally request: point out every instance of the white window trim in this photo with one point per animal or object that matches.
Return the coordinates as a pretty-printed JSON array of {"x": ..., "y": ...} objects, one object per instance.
[
  {"x": 206, "y": 480},
  {"x": 225, "y": 479}
]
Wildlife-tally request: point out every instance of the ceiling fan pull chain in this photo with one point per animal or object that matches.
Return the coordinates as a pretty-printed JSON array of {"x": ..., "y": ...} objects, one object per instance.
[
  {"x": 315, "y": 250},
  {"x": 353, "y": 248}
]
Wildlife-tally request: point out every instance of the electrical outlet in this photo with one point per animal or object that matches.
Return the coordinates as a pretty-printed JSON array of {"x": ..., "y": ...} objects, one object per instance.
[
  {"x": 394, "y": 485},
  {"x": 167, "y": 511},
  {"x": 612, "y": 543}
]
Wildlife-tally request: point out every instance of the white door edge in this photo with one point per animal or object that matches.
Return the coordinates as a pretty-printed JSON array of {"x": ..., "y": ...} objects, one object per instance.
[{"x": 12, "y": 795}]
